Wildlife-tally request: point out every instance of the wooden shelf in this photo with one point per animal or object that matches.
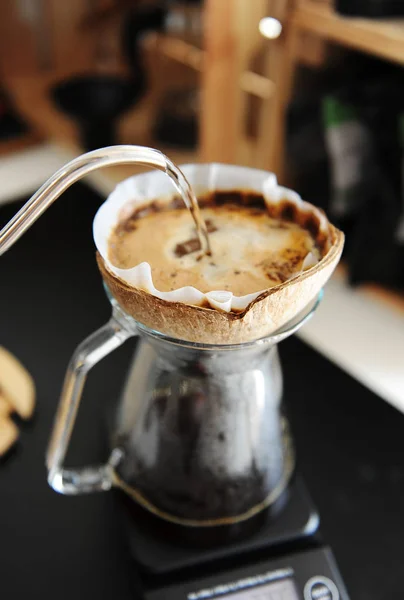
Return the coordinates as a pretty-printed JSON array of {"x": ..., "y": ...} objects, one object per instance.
[
  {"x": 382, "y": 38},
  {"x": 194, "y": 57}
]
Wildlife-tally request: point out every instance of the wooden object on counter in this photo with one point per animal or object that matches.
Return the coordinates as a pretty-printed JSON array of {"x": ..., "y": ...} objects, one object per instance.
[
  {"x": 5, "y": 406},
  {"x": 8, "y": 434},
  {"x": 17, "y": 394},
  {"x": 16, "y": 384}
]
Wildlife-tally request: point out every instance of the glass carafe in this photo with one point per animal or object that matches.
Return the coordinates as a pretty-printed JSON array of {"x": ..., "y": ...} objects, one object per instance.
[{"x": 200, "y": 438}]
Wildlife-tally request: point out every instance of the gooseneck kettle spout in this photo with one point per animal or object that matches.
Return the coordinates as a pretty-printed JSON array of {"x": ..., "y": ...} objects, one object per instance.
[{"x": 85, "y": 164}]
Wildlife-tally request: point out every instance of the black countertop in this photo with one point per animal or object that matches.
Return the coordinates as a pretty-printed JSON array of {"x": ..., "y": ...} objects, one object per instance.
[{"x": 349, "y": 442}]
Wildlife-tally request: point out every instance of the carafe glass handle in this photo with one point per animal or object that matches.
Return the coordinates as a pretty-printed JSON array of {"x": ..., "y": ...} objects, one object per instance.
[{"x": 87, "y": 354}]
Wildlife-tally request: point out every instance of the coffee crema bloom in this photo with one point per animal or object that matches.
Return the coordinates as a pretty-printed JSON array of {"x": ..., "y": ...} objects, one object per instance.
[{"x": 271, "y": 254}]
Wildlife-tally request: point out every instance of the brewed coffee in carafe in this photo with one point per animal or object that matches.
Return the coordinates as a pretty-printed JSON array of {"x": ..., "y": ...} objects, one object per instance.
[
  {"x": 200, "y": 440},
  {"x": 201, "y": 432}
]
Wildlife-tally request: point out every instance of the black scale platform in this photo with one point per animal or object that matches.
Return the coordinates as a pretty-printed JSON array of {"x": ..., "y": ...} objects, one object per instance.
[{"x": 295, "y": 522}]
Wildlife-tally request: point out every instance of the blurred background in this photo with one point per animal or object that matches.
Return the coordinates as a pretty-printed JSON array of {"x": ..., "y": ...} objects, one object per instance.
[{"x": 310, "y": 89}]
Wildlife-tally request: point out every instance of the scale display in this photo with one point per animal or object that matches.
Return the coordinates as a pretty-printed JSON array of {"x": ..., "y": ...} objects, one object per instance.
[
  {"x": 276, "y": 590},
  {"x": 308, "y": 575}
]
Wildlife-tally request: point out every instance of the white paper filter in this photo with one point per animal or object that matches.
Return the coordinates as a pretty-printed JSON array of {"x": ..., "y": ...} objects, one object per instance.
[{"x": 203, "y": 178}]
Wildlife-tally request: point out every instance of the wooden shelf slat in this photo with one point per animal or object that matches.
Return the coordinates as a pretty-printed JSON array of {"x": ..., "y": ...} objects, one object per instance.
[{"x": 382, "y": 38}]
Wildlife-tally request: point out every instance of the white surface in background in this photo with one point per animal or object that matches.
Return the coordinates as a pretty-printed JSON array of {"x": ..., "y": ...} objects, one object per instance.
[
  {"x": 363, "y": 336},
  {"x": 22, "y": 172}
]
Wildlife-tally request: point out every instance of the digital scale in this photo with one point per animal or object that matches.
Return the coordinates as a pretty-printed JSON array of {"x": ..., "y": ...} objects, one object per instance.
[
  {"x": 285, "y": 559},
  {"x": 310, "y": 575}
]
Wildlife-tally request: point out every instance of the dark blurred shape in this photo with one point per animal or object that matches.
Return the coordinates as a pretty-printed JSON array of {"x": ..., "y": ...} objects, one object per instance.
[
  {"x": 136, "y": 23},
  {"x": 361, "y": 100},
  {"x": 370, "y": 8},
  {"x": 307, "y": 152},
  {"x": 11, "y": 124},
  {"x": 95, "y": 102},
  {"x": 177, "y": 119},
  {"x": 99, "y": 16},
  {"x": 375, "y": 90}
]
